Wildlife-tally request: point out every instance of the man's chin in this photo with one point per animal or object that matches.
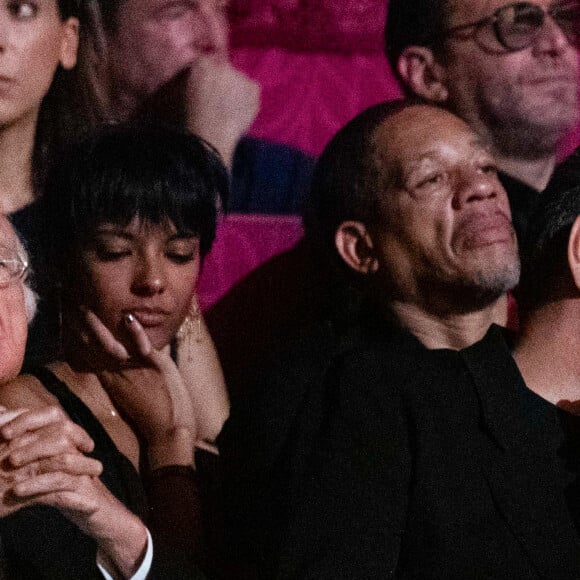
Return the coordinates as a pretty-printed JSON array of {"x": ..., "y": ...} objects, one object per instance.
[{"x": 494, "y": 282}]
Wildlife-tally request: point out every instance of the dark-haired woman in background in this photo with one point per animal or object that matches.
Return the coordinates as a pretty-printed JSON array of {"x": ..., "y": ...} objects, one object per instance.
[
  {"x": 46, "y": 102},
  {"x": 129, "y": 214}
]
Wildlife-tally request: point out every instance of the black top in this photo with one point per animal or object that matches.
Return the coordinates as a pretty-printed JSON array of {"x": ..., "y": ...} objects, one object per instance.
[{"x": 39, "y": 542}]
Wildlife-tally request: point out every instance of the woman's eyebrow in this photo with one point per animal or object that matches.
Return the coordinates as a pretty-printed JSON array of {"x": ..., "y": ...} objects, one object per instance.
[{"x": 113, "y": 233}]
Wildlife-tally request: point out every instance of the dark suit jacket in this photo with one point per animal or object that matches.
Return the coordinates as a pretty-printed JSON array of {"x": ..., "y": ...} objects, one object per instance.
[
  {"x": 419, "y": 464},
  {"x": 433, "y": 465}
]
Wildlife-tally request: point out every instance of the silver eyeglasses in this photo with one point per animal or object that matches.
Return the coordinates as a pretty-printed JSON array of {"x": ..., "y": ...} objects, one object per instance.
[
  {"x": 515, "y": 26},
  {"x": 13, "y": 266}
]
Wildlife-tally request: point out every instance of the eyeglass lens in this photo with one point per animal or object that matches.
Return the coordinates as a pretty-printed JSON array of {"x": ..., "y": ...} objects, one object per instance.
[
  {"x": 11, "y": 268},
  {"x": 517, "y": 24}
]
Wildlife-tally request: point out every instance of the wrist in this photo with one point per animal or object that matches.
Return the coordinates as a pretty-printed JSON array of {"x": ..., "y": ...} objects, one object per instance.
[
  {"x": 175, "y": 447},
  {"x": 123, "y": 553}
]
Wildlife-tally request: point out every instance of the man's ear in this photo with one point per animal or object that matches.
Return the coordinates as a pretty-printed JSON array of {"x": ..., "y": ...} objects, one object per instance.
[
  {"x": 574, "y": 252},
  {"x": 356, "y": 248},
  {"x": 422, "y": 74}
]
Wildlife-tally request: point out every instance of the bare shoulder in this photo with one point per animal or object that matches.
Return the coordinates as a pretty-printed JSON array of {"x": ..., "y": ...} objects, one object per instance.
[{"x": 25, "y": 391}]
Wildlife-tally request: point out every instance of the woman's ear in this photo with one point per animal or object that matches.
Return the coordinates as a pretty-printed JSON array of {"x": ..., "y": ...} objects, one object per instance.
[
  {"x": 356, "y": 248},
  {"x": 422, "y": 75},
  {"x": 574, "y": 252},
  {"x": 70, "y": 43}
]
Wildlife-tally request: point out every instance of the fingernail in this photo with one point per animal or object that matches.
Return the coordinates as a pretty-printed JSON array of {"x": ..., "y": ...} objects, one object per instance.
[{"x": 129, "y": 318}]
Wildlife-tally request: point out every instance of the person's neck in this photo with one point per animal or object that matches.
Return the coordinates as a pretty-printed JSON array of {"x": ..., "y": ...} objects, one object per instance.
[
  {"x": 16, "y": 152},
  {"x": 451, "y": 330},
  {"x": 533, "y": 172},
  {"x": 547, "y": 350}
]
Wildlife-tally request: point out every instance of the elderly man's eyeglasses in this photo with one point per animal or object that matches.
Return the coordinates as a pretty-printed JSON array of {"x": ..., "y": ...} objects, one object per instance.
[
  {"x": 12, "y": 268},
  {"x": 516, "y": 25}
]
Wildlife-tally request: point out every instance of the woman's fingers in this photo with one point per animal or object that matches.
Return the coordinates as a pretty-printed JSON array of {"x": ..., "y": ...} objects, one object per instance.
[
  {"x": 140, "y": 339},
  {"x": 104, "y": 337}
]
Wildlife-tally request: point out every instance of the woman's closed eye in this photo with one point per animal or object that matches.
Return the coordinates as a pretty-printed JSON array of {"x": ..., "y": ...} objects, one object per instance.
[
  {"x": 181, "y": 258},
  {"x": 182, "y": 250},
  {"x": 111, "y": 253}
]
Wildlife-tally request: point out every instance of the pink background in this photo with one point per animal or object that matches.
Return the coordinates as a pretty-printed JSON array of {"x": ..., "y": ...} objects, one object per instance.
[{"x": 320, "y": 63}]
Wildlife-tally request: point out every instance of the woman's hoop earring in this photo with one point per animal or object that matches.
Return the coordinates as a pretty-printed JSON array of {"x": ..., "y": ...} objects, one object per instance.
[{"x": 191, "y": 327}]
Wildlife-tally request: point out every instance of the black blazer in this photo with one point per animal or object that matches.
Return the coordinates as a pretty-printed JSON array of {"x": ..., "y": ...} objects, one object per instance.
[{"x": 417, "y": 464}]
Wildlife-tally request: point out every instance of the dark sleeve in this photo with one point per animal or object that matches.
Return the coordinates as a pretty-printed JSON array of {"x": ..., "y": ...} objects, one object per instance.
[
  {"x": 269, "y": 177},
  {"x": 348, "y": 510},
  {"x": 176, "y": 524}
]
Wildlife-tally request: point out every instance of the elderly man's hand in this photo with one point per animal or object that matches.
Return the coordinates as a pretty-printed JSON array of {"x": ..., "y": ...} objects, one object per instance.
[
  {"x": 33, "y": 443},
  {"x": 43, "y": 462}
]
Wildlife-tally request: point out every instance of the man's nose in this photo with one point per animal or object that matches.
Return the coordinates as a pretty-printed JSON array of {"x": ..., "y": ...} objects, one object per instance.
[
  {"x": 550, "y": 38},
  {"x": 475, "y": 185}
]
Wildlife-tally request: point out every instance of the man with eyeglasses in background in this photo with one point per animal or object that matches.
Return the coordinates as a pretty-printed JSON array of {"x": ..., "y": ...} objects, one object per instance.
[{"x": 510, "y": 69}]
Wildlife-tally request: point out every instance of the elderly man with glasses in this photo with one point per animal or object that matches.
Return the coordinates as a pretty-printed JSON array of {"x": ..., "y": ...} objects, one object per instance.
[
  {"x": 46, "y": 457},
  {"x": 510, "y": 69}
]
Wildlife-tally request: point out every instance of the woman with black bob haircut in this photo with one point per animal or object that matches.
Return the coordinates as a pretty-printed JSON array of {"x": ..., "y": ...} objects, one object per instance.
[{"x": 129, "y": 215}]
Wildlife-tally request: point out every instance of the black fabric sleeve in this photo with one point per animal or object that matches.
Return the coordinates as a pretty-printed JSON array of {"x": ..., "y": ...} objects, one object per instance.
[{"x": 175, "y": 523}]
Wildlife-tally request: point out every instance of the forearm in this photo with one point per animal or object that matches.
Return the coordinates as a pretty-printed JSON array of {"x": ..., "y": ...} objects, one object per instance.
[
  {"x": 122, "y": 550},
  {"x": 200, "y": 368},
  {"x": 172, "y": 447}
]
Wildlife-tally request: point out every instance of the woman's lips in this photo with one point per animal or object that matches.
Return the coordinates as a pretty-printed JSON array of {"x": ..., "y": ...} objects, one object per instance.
[{"x": 149, "y": 317}]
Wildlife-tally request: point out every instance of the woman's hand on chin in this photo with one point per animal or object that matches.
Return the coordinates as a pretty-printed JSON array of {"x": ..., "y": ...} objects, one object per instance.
[
  {"x": 150, "y": 392},
  {"x": 198, "y": 371},
  {"x": 93, "y": 346}
]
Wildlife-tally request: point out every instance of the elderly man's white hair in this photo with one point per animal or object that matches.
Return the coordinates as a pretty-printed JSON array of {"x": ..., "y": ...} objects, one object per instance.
[{"x": 30, "y": 296}]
